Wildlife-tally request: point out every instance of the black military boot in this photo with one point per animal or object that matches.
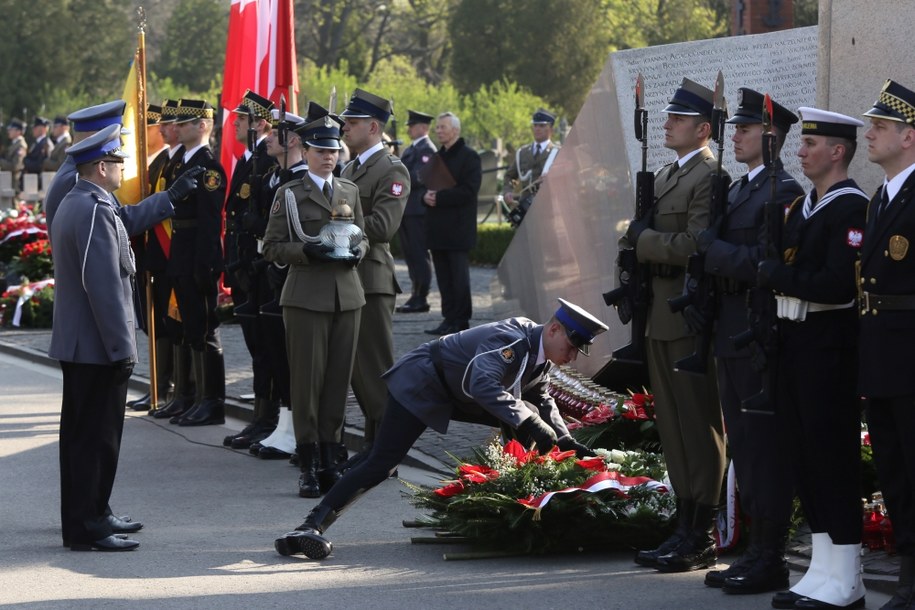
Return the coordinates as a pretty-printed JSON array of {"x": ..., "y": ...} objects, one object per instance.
[
  {"x": 904, "y": 596},
  {"x": 211, "y": 409},
  {"x": 716, "y": 578},
  {"x": 770, "y": 570},
  {"x": 183, "y": 398},
  {"x": 330, "y": 465},
  {"x": 197, "y": 371},
  {"x": 649, "y": 558},
  {"x": 307, "y": 538},
  {"x": 308, "y": 464},
  {"x": 697, "y": 550},
  {"x": 243, "y": 439}
]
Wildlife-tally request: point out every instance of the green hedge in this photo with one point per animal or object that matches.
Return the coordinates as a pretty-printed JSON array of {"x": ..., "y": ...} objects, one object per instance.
[{"x": 492, "y": 242}]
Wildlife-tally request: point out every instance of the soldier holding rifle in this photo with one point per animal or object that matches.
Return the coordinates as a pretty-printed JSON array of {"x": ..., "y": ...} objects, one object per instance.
[
  {"x": 732, "y": 252},
  {"x": 688, "y": 415}
]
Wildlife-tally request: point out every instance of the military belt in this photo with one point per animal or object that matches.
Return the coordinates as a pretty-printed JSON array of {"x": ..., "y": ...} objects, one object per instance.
[
  {"x": 871, "y": 302},
  {"x": 666, "y": 271},
  {"x": 730, "y": 286},
  {"x": 186, "y": 223}
]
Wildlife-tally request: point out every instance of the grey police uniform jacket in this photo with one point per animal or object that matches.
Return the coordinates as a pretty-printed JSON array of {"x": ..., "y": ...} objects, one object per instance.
[
  {"x": 93, "y": 304},
  {"x": 488, "y": 370}
]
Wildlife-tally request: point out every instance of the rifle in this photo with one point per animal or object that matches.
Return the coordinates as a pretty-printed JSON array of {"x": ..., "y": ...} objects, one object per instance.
[
  {"x": 763, "y": 335},
  {"x": 634, "y": 289},
  {"x": 701, "y": 290}
]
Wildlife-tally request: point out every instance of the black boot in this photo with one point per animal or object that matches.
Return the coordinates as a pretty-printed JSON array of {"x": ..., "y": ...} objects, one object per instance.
[
  {"x": 697, "y": 550},
  {"x": 307, "y": 538},
  {"x": 183, "y": 398},
  {"x": 649, "y": 558},
  {"x": 330, "y": 465},
  {"x": 308, "y": 464},
  {"x": 716, "y": 578},
  {"x": 253, "y": 431},
  {"x": 197, "y": 371},
  {"x": 211, "y": 410},
  {"x": 770, "y": 571},
  {"x": 904, "y": 597}
]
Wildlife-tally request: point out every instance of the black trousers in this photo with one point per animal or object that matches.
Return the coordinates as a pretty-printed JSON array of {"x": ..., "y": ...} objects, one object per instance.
[
  {"x": 412, "y": 235},
  {"x": 91, "y": 424},
  {"x": 399, "y": 430},
  {"x": 819, "y": 411},
  {"x": 758, "y": 451},
  {"x": 197, "y": 305},
  {"x": 265, "y": 338},
  {"x": 891, "y": 423},
  {"x": 452, "y": 271}
]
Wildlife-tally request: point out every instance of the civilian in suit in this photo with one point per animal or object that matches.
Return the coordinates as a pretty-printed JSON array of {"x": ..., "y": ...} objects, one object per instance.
[
  {"x": 887, "y": 292},
  {"x": 732, "y": 252},
  {"x": 451, "y": 225},
  {"x": 322, "y": 301},
  {"x": 384, "y": 186},
  {"x": 93, "y": 337},
  {"x": 493, "y": 374},
  {"x": 688, "y": 414},
  {"x": 412, "y": 230}
]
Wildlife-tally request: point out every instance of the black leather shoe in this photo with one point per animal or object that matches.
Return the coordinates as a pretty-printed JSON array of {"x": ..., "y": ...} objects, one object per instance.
[
  {"x": 649, "y": 558},
  {"x": 121, "y": 536},
  {"x": 242, "y": 440},
  {"x": 272, "y": 453},
  {"x": 785, "y": 599},
  {"x": 441, "y": 329},
  {"x": 177, "y": 407},
  {"x": 255, "y": 448},
  {"x": 123, "y": 525},
  {"x": 692, "y": 554},
  {"x": 308, "y": 542},
  {"x": 768, "y": 573},
  {"x": 415, "y": 307},
  {"x": 140, "y": 404},
  {"x": 210, "y": 412},
  {"x": 112, "y": 543}
]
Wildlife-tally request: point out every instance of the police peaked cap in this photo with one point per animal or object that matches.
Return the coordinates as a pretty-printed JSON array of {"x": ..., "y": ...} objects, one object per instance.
[
  {"x": 580, "y": 326},
  {"x": 103, "y": 143},
  {"x": 98, "y": 117}
]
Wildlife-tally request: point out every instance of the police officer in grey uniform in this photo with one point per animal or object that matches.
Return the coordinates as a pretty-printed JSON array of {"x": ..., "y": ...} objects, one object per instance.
[
  {"x": 93, "y": 336},
  {"x": 732, "y": 252},
  {"x": 493, "y": 374}
]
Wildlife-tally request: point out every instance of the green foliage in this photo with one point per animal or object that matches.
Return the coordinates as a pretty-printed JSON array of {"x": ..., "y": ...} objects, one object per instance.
[
  {"x": 492, "y": 242},
  {"x": 555, "y": 48},
  {"x": 501, "y": 110},
  {"x": 195, "y": 45},
  {"x": 640, "y": 23}
]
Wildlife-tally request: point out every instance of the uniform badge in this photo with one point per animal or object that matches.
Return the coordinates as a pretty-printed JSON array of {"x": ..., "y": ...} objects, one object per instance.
[
  {"x": 245, "y": 191},
  {"x": 160, "y": 184},
  {"x": 899, "y": 247},
  {"x": 276, "y": 206},
  {"x": 397, "y": 189},
  {"x": 508, "y": 355},
  {"x": 855, "y": 237},
  {"x": 425, "y": 158},
  {"x": 212, "y": 180}
]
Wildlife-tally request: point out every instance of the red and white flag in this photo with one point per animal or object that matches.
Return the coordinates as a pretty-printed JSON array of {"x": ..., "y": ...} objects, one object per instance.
[{"x": 260, "y": 55}]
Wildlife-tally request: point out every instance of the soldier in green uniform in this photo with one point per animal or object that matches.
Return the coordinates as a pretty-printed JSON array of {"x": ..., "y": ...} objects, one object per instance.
[
  {"x": 384, "y": 186},
  {"x": 530, "y": 163}
]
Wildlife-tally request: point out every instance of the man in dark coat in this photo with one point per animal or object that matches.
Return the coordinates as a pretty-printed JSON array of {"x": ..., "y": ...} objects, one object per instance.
[
  {"x": 494, "y": 374},
  {"x": 887, "y": 292},
  {"x": 451, "y": 224},
  {"x": 94, "y": 336},
  {"x": 412, "y": 230},
  {"x": 732, "y": 252}
]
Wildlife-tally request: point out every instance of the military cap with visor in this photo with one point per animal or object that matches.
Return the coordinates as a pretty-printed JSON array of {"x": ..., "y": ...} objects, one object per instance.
[
  {"x": 816, "y": 122},
  {"x": 414, "y": 117},
  {"x": 95, "y": 118},
  {"x": 750, "y": 110},
  {"x": 691, "y": 99},
  {"x": 193, "y": 110},
  {"x": 543, "y": 117},
  {"x": 896, "y": 103},
  {"x": 257, "y": 104},
  {"x": 365, "y": 105}
]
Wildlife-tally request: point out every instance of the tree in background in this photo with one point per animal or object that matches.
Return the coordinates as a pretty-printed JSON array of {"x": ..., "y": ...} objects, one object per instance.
[
  {"x": 554, "y": 48},
  {"x": 195, "y": 44}
]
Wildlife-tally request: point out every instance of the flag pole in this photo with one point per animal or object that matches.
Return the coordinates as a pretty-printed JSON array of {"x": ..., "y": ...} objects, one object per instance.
[{"x": 143, "y": 177}]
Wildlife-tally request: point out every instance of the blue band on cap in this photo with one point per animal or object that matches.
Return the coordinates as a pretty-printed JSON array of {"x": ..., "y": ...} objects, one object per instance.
[
  {"x": 97, "y": 153},
  {"x": 96, "y": 124},
  {"x": 693, "y": 101},
  {"x": 368, "y": 108},
  {"x": 570, "y": 323}
]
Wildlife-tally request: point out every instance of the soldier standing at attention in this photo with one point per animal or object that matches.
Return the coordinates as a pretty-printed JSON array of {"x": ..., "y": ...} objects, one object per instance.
[
  {"x": 412, "y": 230},
  {"x": 688, "y": 413},
  {"x": 196, "y": 261},
  {"x": 732, "y": 253},
  {"x": 531, "y": 162},
  {"x": 12, "y": 160},
  {"x": 60, "y": 132},
  {"x": 887, "y": 293},
  {"x": 384, "y": 186}
]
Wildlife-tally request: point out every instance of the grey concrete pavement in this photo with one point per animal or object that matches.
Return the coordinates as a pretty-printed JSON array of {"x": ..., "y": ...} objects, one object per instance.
[{"x": 210, "y": 517}]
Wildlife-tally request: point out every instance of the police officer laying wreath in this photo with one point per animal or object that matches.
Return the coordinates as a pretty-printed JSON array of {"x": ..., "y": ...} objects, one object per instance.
[{"x": 494, "y": 374}]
